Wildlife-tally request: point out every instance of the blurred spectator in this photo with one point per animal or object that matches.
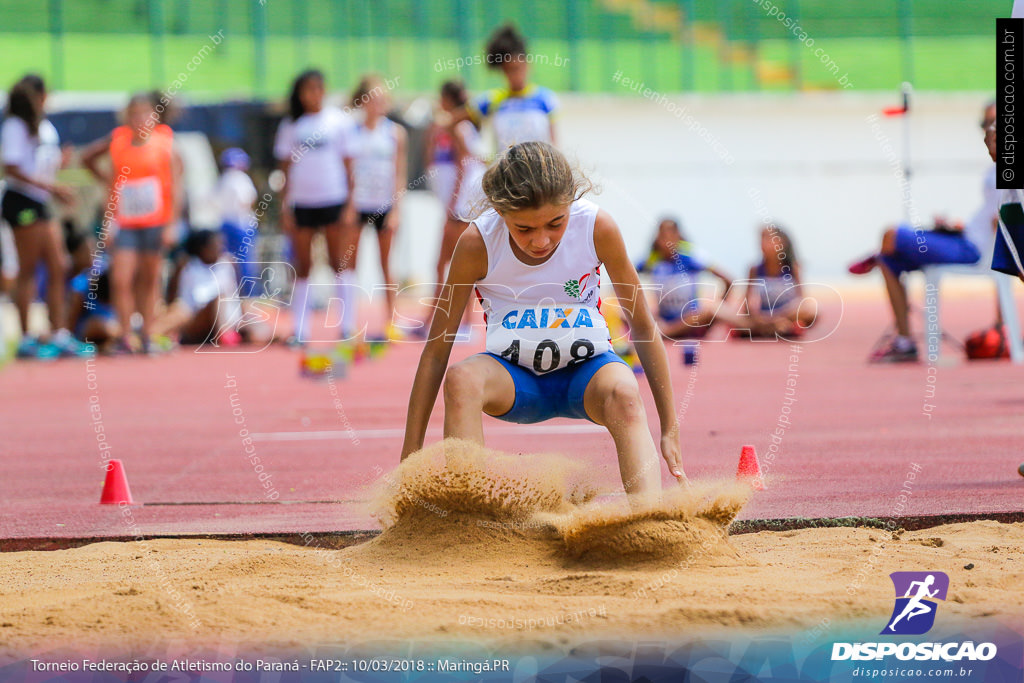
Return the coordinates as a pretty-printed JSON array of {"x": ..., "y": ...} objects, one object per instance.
[
  {"x": 144, "y": 179},
  {"x": 207, "y": 307},
  {"x": 92, "y": 316},
  {"x": 674, "y": 266},
  {"x": 236, "y": 195},
  {"x": 31, "y": 155},
  {"x": 773, "y": 290}
]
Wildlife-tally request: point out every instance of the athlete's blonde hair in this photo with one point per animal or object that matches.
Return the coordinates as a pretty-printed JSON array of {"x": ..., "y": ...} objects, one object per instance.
[{"x": 530, "y": 175}]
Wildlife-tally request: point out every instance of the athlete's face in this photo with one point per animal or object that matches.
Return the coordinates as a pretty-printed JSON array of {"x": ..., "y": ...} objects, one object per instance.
[
  {"x": 138, "y": 115},
  {"x": 668, "y": 238},
  {"x": 311, "y": 94},
  {"x": 536, "y": 232},
  {"x": 211, "y": 251},
  {"x": 516, "y": 72},
  {"x": 377, "y": 104}
]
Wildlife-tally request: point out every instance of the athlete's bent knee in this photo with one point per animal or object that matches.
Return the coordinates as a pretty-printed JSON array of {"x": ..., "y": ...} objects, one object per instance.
[
  {"x": 463, "y": 387},
  {"x": 622, "y": 404}
]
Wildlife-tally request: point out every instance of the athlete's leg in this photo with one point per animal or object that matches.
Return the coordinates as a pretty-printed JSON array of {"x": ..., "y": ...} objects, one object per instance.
[
  {"x": 897, "y": 300},
  {"x": 342, "y": 246},
  {"x": 56, "y": 260},
  {"x": 28, "y": 241},
  {"x": 612, "y": 399},
  {"x": 148, "y": 292},
  {"x": 122, "y": 286},
  {"x": 472, "y": 387},
  {"x": 302, "y": 260},
  {"x": 384, "y": 239}
]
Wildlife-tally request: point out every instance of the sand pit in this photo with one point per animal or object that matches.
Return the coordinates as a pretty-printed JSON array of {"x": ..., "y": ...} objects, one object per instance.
[{"x": 511, "y": 552}]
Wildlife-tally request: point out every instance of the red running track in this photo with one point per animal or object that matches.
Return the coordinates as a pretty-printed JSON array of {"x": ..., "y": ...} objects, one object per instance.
[{"x": 855, "y": 432}]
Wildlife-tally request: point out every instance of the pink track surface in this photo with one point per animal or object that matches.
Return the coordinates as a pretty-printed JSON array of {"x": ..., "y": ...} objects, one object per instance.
[{"x": 855, "y": 432}]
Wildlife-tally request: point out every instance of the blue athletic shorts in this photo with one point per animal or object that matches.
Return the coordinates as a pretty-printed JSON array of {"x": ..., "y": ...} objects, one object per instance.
[
  {"x": 1012, "y": 216},
  {"x": 936, "y": 248},
  {"x": 555, "y": 394}
]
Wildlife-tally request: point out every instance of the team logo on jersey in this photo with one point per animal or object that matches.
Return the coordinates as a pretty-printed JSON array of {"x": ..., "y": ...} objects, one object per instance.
[
  {"x": 916, "y": 596},
  {"x": 547, "y": 318},
  {"x": 577, "y": 289}
]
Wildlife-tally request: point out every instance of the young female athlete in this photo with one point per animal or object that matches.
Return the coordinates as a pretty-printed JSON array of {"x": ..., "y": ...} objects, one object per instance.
[
  {"x": 535, "y": 260},
  {"x": 312, "y": 148},
  {"x": 142, "y": 179},
  {"x": 674, "y": 266},
  {"x": 31, "y": 156},
  {"x": 378, "y": 181},
  {"x": 455, "y": 146},
  {"x": 522, "y": 111},
  {"x": 773, "y": 293}
]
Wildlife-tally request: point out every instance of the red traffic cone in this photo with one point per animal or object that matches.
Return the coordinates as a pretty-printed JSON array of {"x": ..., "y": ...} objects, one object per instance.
[
  {"x": 750, "y": 469},
  {"x": 115, "y": 488}
]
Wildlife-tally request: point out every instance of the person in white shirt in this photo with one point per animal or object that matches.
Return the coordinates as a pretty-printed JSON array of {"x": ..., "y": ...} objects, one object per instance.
[
  {"x": 379, "y": 181},
  {"x": 312, "y": 148},
  {"x": 206, "y": 309},
  {"x": 235, "y": 196},
  {"x": 31, "y": 155}
]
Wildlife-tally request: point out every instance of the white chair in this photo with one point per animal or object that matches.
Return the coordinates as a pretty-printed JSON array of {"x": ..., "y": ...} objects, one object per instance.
[{"x": 1007, "y": 305}]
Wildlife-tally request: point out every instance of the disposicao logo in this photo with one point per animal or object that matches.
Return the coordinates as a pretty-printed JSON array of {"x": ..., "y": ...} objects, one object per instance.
[
  {"x": 913, "y": 614},
  {"x": 916, "y": 595}
]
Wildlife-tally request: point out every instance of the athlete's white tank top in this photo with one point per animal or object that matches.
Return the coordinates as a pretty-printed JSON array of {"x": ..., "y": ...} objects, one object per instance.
[
  {"x": 373, "y": 166},
  {"x": 548, "y": 316}
]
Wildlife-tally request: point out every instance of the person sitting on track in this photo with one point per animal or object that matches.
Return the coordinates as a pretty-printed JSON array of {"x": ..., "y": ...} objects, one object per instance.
[
  {"x": 674, "y": 266},
  {"x": 773, "y": 291},
  {"x": 91, "y": 314},
  {"x": 206, "y": 308},
  {"x": 535, "y": 259}
]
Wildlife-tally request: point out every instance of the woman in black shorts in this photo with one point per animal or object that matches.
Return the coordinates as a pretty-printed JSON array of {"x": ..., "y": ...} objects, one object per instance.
[
  {"x": 31, "y": 155},
  {"x": 312, "y": 149}
]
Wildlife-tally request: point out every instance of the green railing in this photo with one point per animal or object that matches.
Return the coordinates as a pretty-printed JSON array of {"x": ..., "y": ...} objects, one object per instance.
[{"x": 253, "y": 47}]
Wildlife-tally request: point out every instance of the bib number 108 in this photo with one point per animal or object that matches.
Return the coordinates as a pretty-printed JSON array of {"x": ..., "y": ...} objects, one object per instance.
[{"x": 581, "y": 350}]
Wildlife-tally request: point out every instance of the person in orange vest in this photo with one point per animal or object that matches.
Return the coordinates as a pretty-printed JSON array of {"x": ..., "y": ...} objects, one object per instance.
[{"x": 142, "y": 210}]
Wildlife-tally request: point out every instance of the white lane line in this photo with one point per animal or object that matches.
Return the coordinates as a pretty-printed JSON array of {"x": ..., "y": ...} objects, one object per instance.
[{"x": 399, "y": 433}]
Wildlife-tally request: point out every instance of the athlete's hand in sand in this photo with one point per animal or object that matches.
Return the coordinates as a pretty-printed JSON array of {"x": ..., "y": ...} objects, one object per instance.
[{"x": 672, "y": 454}]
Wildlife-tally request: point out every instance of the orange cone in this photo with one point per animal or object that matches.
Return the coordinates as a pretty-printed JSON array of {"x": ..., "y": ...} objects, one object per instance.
[
  {"x": 115, "y": 488},
  {"x": 750, "y": 469}
]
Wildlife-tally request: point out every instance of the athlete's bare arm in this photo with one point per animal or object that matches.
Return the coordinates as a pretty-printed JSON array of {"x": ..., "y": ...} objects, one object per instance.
[
  {"x": 469, "y": 264},
  {"x": 611, "y": 251}
]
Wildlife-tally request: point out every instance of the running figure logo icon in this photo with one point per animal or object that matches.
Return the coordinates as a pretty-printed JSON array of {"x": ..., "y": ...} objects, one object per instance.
[{"x": 916, "y": 595}]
